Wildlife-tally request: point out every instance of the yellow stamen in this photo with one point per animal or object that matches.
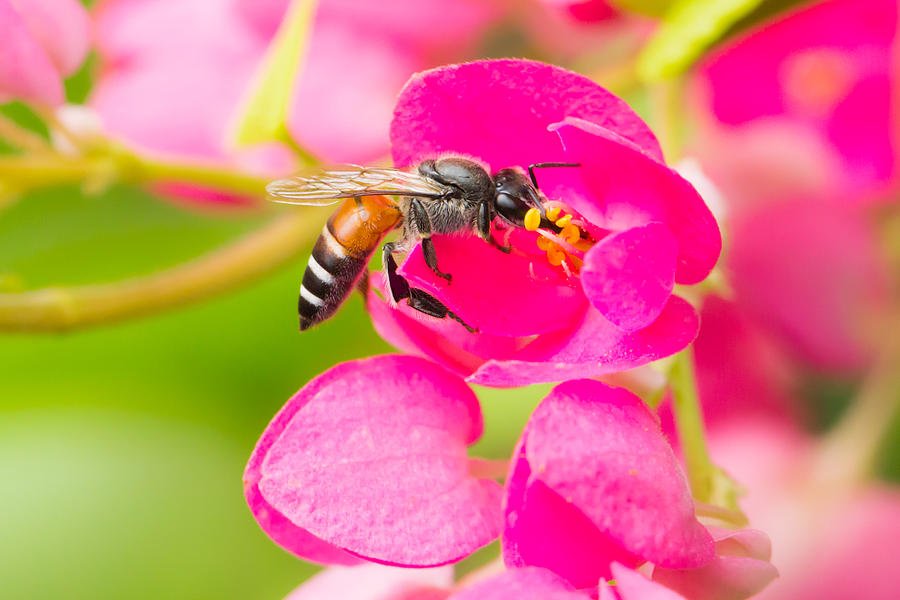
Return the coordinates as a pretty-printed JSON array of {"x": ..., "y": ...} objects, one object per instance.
[
  {"x": 532, "y": 219},
  {"x": 552, "y": 213},
  {"x": 564, "y": 221},
  {"x": 584, "y": 245},
  {"x": 570, "y": 233},
  {"x": 545, "y": 244},
  {"x": 556, "y": 256}
]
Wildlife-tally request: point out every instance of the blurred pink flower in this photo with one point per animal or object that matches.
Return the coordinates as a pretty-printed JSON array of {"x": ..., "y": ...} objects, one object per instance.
[
  {"x": 628, "y": 584},
  {"x": 811, "y": 272},
  {"x": 593, "y": 482},
  {"x": 741, "y": 568},
  {"x": 174, "y": 71},
  {"x": 826, "y": 68},
  {"x": 529, "y": 583},
  {"x": 369, "y": 461},
  {"x": 43, "y": 41},
  {"x": 376, "y": 582},
  {"x": 830, "y": 542},
  {"x": 538, "y": 322},
  {"x": 740, "y": 370}
]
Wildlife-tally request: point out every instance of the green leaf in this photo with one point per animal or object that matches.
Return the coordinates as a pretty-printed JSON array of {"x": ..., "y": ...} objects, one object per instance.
[
  {"x": 651, "y": 8},
  {"x": 264, "y": 113},
  {"x": 689, "y": 28}
]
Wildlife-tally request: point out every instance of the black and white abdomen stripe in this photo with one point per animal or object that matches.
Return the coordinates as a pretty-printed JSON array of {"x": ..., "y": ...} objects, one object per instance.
[{"x": 331, "y": 273}]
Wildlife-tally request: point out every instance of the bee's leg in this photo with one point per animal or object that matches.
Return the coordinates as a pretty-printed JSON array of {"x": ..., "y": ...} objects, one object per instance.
[
  {"x": 422, "y": 225},
  {"x": 531, "y": 169},
  {"x": 398, "y": 286},
  {"x": 419, "y": 300},
  {"x": 483, "y": 227},
  {"x": 424, "y": 302}
]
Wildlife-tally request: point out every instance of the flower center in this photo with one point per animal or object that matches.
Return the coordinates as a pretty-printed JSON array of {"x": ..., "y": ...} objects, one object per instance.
[{"x": 564, "y": 249}]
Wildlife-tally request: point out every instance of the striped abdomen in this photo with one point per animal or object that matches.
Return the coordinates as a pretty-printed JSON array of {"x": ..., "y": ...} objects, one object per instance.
[{"x": 341, "y": 253}]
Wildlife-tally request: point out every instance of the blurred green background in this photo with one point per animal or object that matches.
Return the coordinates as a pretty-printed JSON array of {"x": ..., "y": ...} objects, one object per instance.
[{"x": 122, "y": 448}]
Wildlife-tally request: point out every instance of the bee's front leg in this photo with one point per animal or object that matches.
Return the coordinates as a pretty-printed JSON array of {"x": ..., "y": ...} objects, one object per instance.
[
  {"x": 422, "y": 223},
  {"x": 483, "y": 227}
]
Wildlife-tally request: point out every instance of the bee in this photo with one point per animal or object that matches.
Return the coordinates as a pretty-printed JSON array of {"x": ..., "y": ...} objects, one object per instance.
[{"x": 442, "y": 196}]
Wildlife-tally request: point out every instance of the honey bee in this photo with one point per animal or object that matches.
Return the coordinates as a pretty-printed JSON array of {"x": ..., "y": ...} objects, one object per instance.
[{"x": 446, "y": 195}]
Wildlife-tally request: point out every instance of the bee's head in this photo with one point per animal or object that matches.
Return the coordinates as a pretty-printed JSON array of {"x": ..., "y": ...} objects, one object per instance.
[{"x": 515, "y": 196}]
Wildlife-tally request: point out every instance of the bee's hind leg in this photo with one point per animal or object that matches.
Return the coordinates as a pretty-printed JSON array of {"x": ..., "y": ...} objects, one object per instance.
[{"x": 424, "y": 302}]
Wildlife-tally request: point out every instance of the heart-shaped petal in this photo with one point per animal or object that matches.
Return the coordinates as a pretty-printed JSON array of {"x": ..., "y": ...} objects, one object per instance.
[
  {"x": 600, "y": 450},
  {"x": 370, "y": 457},
  {"x": 499, "y": 112}
]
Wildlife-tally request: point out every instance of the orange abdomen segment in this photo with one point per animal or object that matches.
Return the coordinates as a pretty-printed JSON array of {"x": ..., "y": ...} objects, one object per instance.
[{"x": 352, "y": 234}]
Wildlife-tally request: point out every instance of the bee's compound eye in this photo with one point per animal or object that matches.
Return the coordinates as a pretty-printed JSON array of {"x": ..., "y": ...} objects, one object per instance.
[{"x": 511, "y": 209}]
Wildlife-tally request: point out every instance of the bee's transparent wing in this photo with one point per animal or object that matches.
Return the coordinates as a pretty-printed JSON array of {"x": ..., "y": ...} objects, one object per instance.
[{"x": 331, "y": 187}]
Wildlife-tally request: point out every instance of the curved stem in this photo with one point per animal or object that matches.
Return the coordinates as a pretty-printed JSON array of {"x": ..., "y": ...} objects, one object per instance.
[
  {"x": 848, "y": 451},
  {"x": 709, "y": 484},
  {"x": 63, "y": 309},
  {"x": 689, "y": 423},
  {"x": 46, "y": 170}
]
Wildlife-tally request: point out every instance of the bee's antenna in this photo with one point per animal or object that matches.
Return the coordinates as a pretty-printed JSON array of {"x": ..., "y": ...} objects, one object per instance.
[{"x": 545, "y": 165}]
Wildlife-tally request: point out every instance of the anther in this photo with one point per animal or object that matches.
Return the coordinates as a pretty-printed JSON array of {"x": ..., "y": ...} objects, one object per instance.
[
  {"x": 532, "y": 219},
  {"x": 545, "y": 244},
  {"x": 564, "y": 221},
  {"x": 556, "y": 256},
  {"x": 553, "y": 213},
  {"x": 570, "y": 233}
]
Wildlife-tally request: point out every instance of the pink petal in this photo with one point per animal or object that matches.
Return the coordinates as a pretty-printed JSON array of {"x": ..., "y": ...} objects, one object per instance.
[
  {"x": 374, "y": 582},
  {"x": 522, "y": 584},
  {"x": 616, "y": 468},
  {"x": 370, "y": 457},
  {"x": 740, "y": 570},
  {"x": 499, "y": 111},
  {"x": 627, "y": 187},
  {"x": 596, "y": 347},
  {"x": 631, "y": 585},
  {"x": 496, "y": 292},
  {"x": 629, "y": 276},
  {"x": 26, "y": 71},
  {"x": 61, "y": 27},
  {"x": 545, "y": 529}
]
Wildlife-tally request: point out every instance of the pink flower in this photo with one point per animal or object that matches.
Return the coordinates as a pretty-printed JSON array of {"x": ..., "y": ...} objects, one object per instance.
[
  {"x": 376, "y": 582},
  {"x": 529, "y": 583},
  {"x": 593, "y": 482},
  {"x": 175, "y": 70},
  {"x": 631, "y": 585},
  {"x": 43, "y": 41},
  {"x": 811, "y": 272},
  {"x": 826, "y": 69},
  {"x": 642, "y": 229},
  {"x": 369, "y": 461},
  {"x": 830, "y": 541}
]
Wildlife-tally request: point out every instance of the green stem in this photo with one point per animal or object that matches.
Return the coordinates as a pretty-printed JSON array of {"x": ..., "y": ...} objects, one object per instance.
[
  {"x": 709, "y": 484},
  {"x": 47, "y": 170},
  {"x": 22, "y": 138},
  {"x": 848, "y": 451},
  {"x": 689, "y": 423},
  {"x": 64, "y": 309}
]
